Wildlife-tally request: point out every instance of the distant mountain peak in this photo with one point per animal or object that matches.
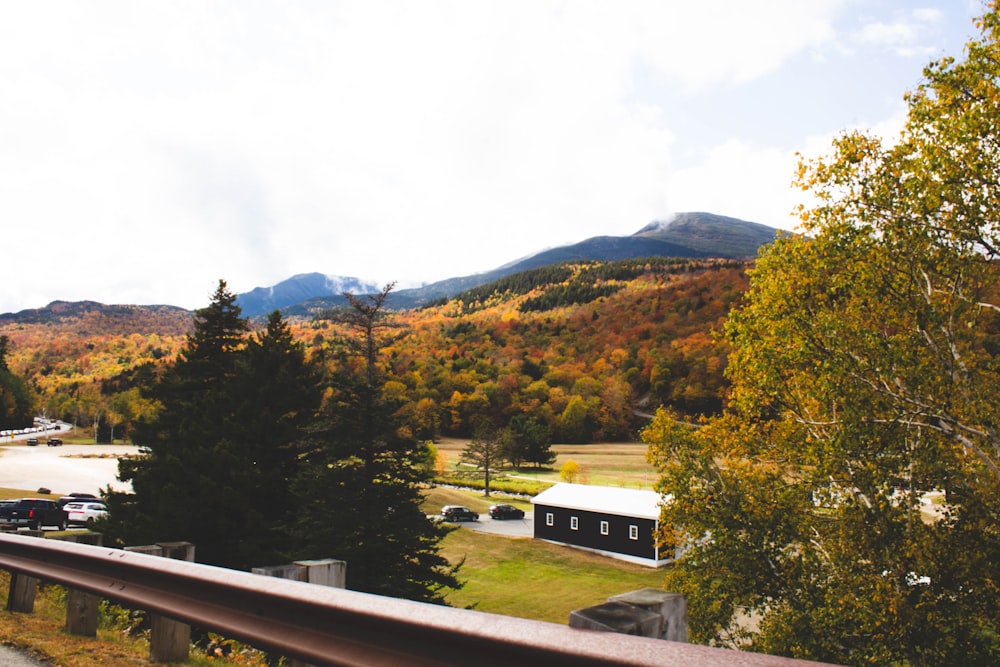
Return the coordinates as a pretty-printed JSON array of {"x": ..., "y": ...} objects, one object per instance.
[
  {"x": 691, "y": 235},
  {"x": 301, "y": 287}
]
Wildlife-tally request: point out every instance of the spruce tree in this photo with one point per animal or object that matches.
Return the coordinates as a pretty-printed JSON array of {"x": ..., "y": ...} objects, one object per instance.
[
  {"x": 360, "y": 488},
  {"x": 221, "y": 445}
]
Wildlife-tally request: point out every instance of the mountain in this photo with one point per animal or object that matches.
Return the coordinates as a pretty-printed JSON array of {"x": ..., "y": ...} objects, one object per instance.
[
  {"x": 89, "y": 318},
  {"x": 693, "y": 235},
  {"x": 716, "y": 235},
  {"x": 298, "y": 289}
]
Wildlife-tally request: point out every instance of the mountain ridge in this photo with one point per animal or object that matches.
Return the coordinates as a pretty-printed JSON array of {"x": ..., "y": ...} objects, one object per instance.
[{"x": 692, "y": 235}]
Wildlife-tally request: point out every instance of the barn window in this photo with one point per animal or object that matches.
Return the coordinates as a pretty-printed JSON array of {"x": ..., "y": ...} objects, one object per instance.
[
  {"x": 574, "y": 523},
  {"x": 549, "y": 519},
  {"x": 633, "y": 532},
  {"x": 604, "y": 528}
]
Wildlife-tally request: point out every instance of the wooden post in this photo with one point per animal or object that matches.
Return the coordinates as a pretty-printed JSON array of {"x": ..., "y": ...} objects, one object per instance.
[
  {"x": 21, "y": 596},
  {"x": 81, "y": 612},
  {"x": 169, "y": 640},
  {"x": 82, "y": 607}
]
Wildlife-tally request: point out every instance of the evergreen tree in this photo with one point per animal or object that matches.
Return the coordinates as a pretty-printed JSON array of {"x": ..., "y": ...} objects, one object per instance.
[
  {"x": 528, "y": 440},
  {"x": 360, "y": 488},
  {"x": 221, "y": 445}
]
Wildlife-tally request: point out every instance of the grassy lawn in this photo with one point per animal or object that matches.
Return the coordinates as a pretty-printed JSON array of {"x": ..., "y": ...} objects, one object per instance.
[
  {"x": 532, "y": 579},
  {"x": 525, "y": 577}
]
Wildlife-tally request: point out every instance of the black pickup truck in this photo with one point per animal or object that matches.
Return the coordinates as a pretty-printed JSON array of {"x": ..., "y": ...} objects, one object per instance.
[{"x": 32, "y": 513}]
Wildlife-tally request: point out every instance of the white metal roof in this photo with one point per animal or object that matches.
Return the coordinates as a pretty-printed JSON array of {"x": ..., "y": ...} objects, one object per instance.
[{"x": 637, "y": 503}]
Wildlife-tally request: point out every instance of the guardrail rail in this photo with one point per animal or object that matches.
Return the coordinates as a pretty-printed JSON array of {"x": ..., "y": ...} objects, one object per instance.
[{"x": 331, "y": 626}]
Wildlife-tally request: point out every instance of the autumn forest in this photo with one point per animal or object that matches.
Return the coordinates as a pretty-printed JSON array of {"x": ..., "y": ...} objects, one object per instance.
[{"x": 583, "y": 350}]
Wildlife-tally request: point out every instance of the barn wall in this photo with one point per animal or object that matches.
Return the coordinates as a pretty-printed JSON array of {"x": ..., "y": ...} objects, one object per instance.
[{"x": 588, "y": 532}]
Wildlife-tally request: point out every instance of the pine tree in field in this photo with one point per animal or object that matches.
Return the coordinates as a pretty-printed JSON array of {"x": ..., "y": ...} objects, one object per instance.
[
  {"x": 359, "y": 490},
  {"x": 221, "y": 445}
]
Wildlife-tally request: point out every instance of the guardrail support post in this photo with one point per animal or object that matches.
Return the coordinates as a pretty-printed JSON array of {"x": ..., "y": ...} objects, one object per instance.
[
  {"x": 169, "y": 640},
  {"x": 21, "y": 596},
  {"x": 82, "y": 607},
  {"x": 671, "y": 606},
  {"x": 324, "y": 572}
]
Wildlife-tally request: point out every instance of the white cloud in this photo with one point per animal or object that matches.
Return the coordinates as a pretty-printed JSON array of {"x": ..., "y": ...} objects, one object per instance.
[
  {"x": 163, "y": 146},
  {"x": 908, "y": 34}
]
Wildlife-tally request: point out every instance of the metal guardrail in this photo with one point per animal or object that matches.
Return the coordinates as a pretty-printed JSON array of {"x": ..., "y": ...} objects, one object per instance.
[{"x": 331, "y": 626}]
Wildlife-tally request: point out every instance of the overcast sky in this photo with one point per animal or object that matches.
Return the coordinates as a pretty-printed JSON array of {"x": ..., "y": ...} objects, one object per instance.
[{"x": 148, "y": 149}]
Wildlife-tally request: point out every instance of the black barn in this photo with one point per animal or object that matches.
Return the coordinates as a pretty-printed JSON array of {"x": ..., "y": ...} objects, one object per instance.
[{"x": 613, "y": 521}]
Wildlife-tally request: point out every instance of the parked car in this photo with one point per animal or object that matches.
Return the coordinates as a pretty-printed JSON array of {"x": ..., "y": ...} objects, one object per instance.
[
  {"x": 78, "y": 498},
  {"x": 54, "y": 442},
  {"x": 82, "y": 513},
  {"x": 458, "y": 513},
  {"x": 505, "y": 512},
  {"x": 32, "y": 513}
]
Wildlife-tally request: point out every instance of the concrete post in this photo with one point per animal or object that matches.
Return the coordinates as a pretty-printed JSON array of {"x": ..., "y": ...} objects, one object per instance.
[
  {"x": 294, "y": 572},
  {"x": 618, "y": 617},
  {"x": 169, "y": 640},
  {"x": 325, "y": 572},
  {"x": 671, "y": 606}
]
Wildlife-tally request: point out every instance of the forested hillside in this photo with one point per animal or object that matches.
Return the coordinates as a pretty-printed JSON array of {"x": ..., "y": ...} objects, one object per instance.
[{"x": 577, "y": 348}]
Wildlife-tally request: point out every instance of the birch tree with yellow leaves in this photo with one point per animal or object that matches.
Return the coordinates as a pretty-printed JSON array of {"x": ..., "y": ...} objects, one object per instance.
[{"x": 846, "y": 506}]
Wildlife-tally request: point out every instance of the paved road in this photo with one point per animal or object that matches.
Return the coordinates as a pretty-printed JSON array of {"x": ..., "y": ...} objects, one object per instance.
[{"x": 12, "y": 657}]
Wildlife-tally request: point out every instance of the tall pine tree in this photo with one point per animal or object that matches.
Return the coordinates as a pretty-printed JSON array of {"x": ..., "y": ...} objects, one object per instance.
[{"x": 360, "y": 490}]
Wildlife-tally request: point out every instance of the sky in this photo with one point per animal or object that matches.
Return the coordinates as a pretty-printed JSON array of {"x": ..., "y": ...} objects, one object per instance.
[{"x": 150, "y": 149}]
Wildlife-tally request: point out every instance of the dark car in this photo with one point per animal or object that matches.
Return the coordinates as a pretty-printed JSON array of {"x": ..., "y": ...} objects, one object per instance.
[
  {"x": 54, "y": 442},
  {"x": 458, "y": 513},
  {"x": 32, "y": 442},
  {"x": 505, "y": 512},
  {"x": 78, "y": 498},
  {"x": 32, "y": 513}
]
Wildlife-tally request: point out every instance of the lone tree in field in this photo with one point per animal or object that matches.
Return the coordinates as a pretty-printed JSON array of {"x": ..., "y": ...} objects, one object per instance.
[
  {"x": 485, "y": 452},
  {"x": 865, "y": 375}
]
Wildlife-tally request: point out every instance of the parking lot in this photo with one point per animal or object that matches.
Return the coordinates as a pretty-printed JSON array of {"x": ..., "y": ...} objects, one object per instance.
[
  {"x": 511, "y": 527},
  {"x": 63, "y": 469}
]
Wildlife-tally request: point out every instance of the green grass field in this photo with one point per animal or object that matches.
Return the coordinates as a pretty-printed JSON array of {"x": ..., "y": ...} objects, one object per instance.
[{"x": 532, "y": 579}]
